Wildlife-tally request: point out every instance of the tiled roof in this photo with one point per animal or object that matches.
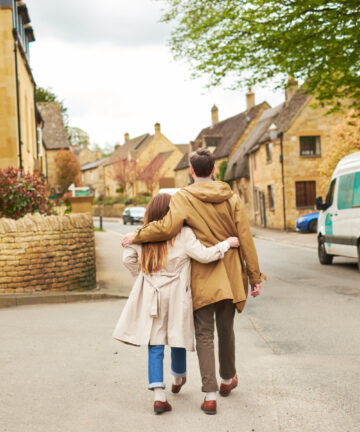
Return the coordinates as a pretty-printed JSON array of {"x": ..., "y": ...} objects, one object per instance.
[
  {"x": 54, "y": 133},
  {"x": 226, "y": 133},
  {"x": 92, "y": 165},
  {"x": 281, "y": 116},
  {"x": 157, "y": 163},
  {"x": 133, "y": 146},
  {"x": 184, "y": 162}
]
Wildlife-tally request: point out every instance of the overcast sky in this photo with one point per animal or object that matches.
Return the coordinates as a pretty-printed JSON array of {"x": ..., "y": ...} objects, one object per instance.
[{"x": 110, "y": 63}]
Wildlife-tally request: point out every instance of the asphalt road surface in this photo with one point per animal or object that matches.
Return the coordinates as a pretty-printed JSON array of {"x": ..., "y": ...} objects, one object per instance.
[{"x": 298, "y": 361}]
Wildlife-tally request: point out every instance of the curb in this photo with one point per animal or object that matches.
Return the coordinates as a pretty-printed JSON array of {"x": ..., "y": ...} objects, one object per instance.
[
  {"x": 11, "y": 300},
  {"x": 286, "y": 243}
]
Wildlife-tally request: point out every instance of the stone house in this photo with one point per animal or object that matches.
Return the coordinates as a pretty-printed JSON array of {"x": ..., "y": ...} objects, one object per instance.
[
  {"x": 93, "y": 175},
  {"x": 55, "y": 138},
  {"x": 20, "y": 144},
  {"x": 143, "y": 149},
  {"x": 223, "y": 138},
  {"x": 276, "y": 170}
]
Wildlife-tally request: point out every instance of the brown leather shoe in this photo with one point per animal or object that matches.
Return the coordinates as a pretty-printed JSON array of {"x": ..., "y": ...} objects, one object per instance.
[
  {"x": 209, "y": 407},
  {"x": 160, "y": 407},
  {"x": 225, "y": 389},
  {"x": 177, "y": 387}
]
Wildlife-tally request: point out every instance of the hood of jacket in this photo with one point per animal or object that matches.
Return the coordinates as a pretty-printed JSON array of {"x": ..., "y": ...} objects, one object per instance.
[{"x": 210, "y": 191}]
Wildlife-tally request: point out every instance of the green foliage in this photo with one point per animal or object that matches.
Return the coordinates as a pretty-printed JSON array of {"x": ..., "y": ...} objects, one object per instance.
[
  {"x": 22, "y": 193},
  {"x": 254, "y": 41},
  {"x": 220, "y": 175},
  {"x": 47, "y": 95}
]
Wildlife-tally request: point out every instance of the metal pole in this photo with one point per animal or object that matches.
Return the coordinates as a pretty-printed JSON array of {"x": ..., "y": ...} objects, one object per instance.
[{"x": 101, "y": 222}]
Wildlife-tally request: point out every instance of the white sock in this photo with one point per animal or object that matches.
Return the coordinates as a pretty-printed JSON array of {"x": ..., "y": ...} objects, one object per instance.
[
  {"x": 226, "y": 382},
  {"x": 210, "y": 396},
  {"x": 159, "y": 394},
  {"x": 177, "y": 381}
]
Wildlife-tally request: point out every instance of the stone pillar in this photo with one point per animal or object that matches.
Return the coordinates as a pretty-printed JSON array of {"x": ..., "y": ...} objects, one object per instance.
[{"x": 214, "y": 115}]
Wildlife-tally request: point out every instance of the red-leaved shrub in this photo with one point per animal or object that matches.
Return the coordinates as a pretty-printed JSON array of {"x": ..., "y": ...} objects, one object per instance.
[{"x": 22, "y": 193}]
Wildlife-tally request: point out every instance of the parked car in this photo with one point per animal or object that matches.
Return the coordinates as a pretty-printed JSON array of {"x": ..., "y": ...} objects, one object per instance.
[
  {"x": 133, "y": 215},
  {"x": 339, "y": 219},
  {"x": 307, "y": 222}
]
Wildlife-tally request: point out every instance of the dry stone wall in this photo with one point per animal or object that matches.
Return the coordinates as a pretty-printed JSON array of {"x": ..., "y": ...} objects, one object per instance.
[{"x": 47, "y": 253}]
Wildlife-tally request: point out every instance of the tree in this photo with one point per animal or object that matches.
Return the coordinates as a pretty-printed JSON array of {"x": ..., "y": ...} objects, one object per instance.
[
  {"x": 47, "y": 95},
  {"x": 126, "y": 171},
  {"x": 345, "y": 139},
  {"x": 78, "y": 137},
  {"x": 253, "y": 41},
  {"x": 152, "y": 174},
  {"x": 67, "y": 169},
  {"x": 22, "y": 193},
  {"x": 220, "y": 175}
]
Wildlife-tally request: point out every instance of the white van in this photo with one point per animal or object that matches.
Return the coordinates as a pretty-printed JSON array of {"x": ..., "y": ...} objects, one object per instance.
[{"x": 339, "y": 218}]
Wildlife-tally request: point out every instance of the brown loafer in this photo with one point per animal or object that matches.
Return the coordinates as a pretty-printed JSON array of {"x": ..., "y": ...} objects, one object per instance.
[
  {"x": 160, "y": 407},
  {"x": 177, "y": 387},
  {"x": 209, "y": 407},
  {"x": 225, "y": 389}
]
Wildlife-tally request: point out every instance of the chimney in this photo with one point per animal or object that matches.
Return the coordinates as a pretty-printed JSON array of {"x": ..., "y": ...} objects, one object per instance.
[
  {"x": 126, "y": 137},
  {"x": 214, "y": 115},
  {"x": 117, "y": 146},
  {"x": 157, "y": 129},
  {"x": 250, "y": 100},
  {"x": 98, "y": 154},
  {"x": 291, "y": 88}
]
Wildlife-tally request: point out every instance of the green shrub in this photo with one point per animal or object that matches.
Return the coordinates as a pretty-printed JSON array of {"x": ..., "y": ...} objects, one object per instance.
[{"x": 22, "y": 193}]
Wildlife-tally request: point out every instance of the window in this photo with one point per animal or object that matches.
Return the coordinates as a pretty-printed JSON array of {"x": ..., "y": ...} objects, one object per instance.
[
  {"x": 346, "y": 191},
  {"x": 310, "y": 146},
  {"x": 270, "y": 190},
  {"x": 330, "y": 195},
  {"x": 269, "y": 152},
  {"x": 254, "y": 161},
  {"x": 356, "y": 197},
  {"x": 256, "y": 199},
  {"x": 305, "y": 193}
]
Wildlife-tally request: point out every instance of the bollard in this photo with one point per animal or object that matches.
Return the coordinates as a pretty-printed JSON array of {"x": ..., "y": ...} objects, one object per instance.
[{"x": 101, "y": 223}]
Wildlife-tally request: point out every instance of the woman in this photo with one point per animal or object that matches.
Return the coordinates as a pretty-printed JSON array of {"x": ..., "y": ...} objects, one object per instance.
[{"x": 159, "y": 309}]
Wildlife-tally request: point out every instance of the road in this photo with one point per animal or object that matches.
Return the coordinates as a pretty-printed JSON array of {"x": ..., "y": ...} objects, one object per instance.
[{"x": 298, "y": 360}]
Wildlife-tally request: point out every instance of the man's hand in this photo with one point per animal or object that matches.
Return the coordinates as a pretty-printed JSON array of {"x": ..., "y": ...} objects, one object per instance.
[
  {"x": 127, "y": 240},
  {"x": 255, "y": 290},
  {"x": 233, "y": 242}
]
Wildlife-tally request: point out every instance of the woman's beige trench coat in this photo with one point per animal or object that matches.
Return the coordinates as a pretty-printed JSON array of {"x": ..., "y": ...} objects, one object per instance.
[{"x": 159, "y": 310}]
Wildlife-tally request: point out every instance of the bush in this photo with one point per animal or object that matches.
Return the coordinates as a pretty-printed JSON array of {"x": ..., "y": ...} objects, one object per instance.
[{"x": 22, "y": 193}]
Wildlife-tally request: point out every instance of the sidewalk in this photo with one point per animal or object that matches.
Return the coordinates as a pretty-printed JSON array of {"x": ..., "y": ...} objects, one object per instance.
[{"x": 296, "y": 239}]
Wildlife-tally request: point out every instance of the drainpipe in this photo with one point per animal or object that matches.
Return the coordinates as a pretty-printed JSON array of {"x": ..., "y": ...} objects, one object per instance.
[
  {"x": 283, "y": 176},
  {"x": 17, "y": 90}
]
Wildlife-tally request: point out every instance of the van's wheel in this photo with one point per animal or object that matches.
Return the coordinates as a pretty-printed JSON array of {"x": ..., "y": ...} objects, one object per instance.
[
  {"x": 313, "y": 226},
  {"x": 359, "y": 256},
  {"x": 324, "y": 257}
]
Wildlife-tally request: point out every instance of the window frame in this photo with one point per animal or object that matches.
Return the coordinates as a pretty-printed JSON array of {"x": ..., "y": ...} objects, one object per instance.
[
  {"x": 306, "y": 199},
  {"x": 317, "y": 146}
]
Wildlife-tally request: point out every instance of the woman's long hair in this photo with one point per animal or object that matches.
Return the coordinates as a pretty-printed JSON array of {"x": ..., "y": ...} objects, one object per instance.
[{"x": 154, "y": 255}]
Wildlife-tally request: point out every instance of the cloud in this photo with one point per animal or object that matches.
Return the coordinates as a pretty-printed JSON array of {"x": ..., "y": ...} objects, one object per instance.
[{"x": 117, "y": 22}]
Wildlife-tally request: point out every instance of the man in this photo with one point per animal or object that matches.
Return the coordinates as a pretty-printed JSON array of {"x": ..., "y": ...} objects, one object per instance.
[{"x": 214, "y": 213}]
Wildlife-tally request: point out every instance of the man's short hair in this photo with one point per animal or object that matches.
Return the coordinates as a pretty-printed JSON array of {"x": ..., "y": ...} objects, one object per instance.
[{"x": 202, "y": 161}]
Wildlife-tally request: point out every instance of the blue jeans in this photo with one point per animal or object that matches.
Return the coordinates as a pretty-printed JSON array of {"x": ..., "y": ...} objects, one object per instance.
[{"x": 156, "y": 367}]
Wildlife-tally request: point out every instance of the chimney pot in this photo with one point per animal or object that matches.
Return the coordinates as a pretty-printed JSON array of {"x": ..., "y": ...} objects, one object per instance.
[
  {"x": 126, "y": 137},
  {"x": 214, "y": 115},
  {"x": 250, "y": 100},
  {"x": 157, "y": 128}
]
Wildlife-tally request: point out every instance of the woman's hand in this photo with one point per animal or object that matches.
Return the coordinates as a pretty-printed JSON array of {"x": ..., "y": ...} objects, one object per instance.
[{"x": 233, "y": 242}]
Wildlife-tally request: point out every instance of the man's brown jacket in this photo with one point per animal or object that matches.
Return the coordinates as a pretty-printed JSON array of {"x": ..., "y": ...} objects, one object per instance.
[{"x": 214, "y": 213}]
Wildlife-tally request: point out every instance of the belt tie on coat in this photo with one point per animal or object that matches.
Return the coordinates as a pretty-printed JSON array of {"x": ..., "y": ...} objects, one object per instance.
[{"x": 168, "y": 278}]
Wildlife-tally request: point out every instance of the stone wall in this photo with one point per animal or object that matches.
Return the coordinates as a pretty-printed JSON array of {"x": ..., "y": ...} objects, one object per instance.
[{"x": 47, "y": 253}]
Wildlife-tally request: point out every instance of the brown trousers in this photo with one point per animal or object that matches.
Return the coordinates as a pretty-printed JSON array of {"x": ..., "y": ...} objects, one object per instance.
[{"x": 224, "y": 312}]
